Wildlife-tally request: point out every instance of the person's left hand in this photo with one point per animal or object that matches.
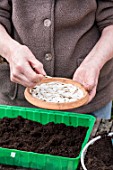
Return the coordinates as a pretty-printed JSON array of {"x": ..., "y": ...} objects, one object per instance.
[{"x": 87, "y": 75}]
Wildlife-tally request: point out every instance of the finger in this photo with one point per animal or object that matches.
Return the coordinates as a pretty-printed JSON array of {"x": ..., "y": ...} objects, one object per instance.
[
  {"x": 27, "y": 71},
  {"x": 92, "y": 95},
  {"x": 23, "y": 81},
  {"x": 38, "y": 67},
  {"x": 21, "y": 78},
  {"x": 89, "y": 86},
  {"x": 31, "y": 75}
]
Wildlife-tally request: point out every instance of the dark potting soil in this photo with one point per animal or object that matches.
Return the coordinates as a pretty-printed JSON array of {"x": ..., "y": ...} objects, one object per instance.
[
  {"x": 99, "y": 156},
  {"x": 55, "y": 139}
]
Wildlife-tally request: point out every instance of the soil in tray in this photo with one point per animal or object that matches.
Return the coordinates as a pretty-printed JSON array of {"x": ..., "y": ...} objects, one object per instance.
[
  {"x": 55, "y": 139},
  {"x": 99, "y": 156}
]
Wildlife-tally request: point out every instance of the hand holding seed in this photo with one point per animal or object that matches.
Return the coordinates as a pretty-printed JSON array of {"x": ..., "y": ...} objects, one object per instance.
[{"x": 25, "y": 69}]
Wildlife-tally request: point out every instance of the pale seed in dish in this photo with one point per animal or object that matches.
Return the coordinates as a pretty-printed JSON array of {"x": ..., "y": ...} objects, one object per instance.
[{"x": 57, "y": 92}]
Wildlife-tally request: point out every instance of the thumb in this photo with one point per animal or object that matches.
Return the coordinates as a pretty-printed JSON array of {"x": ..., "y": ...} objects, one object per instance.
[{"x": 88, "y": 86}]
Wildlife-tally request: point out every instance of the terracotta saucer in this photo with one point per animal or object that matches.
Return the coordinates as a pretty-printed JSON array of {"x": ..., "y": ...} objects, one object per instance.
[{"x": 57, "y": 106}]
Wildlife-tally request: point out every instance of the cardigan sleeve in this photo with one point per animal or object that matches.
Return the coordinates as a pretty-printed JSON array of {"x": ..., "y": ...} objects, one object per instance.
[
  {"x": 5, "y": 14},
  {"x": 104, "y": 13}
]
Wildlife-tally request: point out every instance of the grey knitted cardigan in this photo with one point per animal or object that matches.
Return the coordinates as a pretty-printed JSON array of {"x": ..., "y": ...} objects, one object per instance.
[{"x": 64, "y": 30}]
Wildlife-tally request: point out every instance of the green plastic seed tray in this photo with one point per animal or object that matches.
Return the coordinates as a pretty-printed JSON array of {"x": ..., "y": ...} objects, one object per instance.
[{"x": 44, "y": 161}]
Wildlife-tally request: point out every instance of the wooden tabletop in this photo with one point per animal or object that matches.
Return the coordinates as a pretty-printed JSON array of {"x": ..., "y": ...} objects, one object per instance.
[{"x": 101, "y": 126}]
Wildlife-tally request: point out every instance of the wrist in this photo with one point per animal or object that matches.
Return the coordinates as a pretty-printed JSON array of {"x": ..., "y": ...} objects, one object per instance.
[
  {"x": 94, "y": 63},
  {"x": 7, "y": 44},
  {"x": 97, "y": 59},
  {"x": 9, "y": 49}
]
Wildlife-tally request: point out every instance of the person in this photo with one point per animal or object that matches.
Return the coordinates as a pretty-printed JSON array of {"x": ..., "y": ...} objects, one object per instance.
[{"x": 62, "y": 38}]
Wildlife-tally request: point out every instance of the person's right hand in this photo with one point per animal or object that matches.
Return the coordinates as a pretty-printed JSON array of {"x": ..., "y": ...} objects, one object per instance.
[{"x": 25, "y": 69}]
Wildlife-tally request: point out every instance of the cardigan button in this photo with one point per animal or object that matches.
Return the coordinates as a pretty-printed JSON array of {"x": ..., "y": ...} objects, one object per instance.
[
  {"x": 47, "y": 22},
  {"x": 48, "y": 57}
]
